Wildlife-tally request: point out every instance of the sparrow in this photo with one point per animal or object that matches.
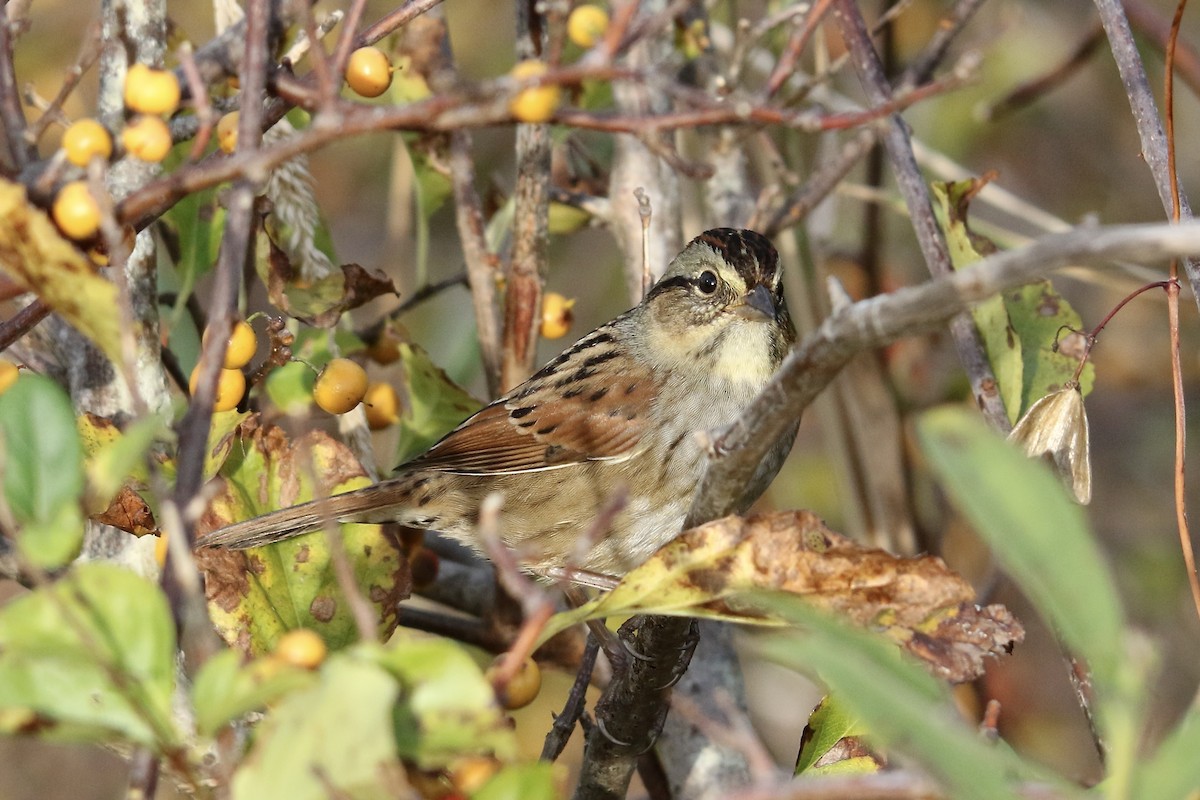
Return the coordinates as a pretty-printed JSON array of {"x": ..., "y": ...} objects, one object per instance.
[{"x": 620, "y": 411}]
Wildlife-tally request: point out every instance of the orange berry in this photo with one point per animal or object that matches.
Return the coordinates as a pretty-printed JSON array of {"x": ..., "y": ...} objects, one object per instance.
[
  {"x": 557, "y": 315},
  {"x": 369, "y": 71},
  {"x": 85, "y": 139},
  {"x": 8, "y": 375},
  {"x": 340, "y": 386},
  {"x": 75, "y": 211},
  {"x": 385, "y": 349},
  {"x": 231, "y": 385},
  {"x": 147, "y": 137},
  {"x": 469, "y": 773},
  {"x": 227, "y": 130},
  {"x": 538, "y": 103},
  {"x": 151, "y": 91},
  {"x": 524, "y": 686},
  {"x": 382, "y": 405},
  {"x": 302, "y": 647},
  {"x": 587, "y": 25},
  {"x": 243, "y": 343}
]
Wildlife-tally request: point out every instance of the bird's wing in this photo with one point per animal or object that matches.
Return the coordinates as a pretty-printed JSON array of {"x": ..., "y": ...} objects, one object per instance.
[{"x": 576, "y": 409}]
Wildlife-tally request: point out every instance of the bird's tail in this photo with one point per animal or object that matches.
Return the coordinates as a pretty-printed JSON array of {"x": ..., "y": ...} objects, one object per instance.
[{"x": 355, "y": 506}]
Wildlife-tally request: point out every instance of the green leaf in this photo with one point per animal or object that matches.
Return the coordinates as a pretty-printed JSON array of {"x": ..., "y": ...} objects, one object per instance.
[
  {"x": 290, "y": 387},
  {"x": 431, "y": 403},
  {"x": 333, "y": 739},
  {"x": 448, "y": 709},
  {"x": 226, "y": 688},
  {"x": 199, "y": 223},
  {"x": 89, "y": 657},
  {"x": 898, "y": 702},
  {"x": 43, "y": 469},
  {"x": 1174, "y": 771},
  {"x": 1039, "y": 535},
  {"x": 1019, "y": 329},
  {"x": 266, "y": 591},
  {"x": 115, "y": 457},
  {"x": 537, "y": 781},
  {"x": 829, "y": 724}
]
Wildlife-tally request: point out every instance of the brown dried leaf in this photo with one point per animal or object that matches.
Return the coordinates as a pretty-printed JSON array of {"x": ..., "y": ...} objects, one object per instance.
[
  {"x": 320, "y": 303},
  {"x": 917, "y": 601},
  {"x": 129, "y": 512}
]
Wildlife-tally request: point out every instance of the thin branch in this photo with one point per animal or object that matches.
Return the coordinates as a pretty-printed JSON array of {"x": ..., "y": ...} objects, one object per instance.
[
  {"x": 1145, "y": 116},
  {"x": 15, "y": 152},
  {"x": 916, "y": 196}
]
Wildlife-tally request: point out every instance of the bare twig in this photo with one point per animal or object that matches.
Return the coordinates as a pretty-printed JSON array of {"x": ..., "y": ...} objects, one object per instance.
[
  {"x": 1145, "y": 115},
  {"x": 564, "y": 723},
  {"x": 916, "y": 196},
  {"x": 15, "y": 152},
  {"x": 89, "y": 51},
  {"x": 22, "y": 323}
]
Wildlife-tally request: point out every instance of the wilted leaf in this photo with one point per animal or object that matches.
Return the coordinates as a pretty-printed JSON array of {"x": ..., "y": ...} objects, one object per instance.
[
  {"x": 43, "y": 470},
  {"x": 1056, "y": 427},
  {"x": 704, "y": 571},
  {"x": 322, "y": 302},
  {"x": 331, "y": 740},
  {"x": 36, "y": 256},
  {"x": 88, "y": 657},
  {"x": 129, "y": 512},
  {"x": 1021, "y": 328},
  {"x": 256, "y": 595},
  {"x": 227, "y": 687},
  {"x": 431, "y": 404},
  {"x": 447, "y": 709}
]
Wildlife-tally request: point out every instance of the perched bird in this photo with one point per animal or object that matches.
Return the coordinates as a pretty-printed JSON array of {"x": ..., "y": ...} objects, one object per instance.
[{"x": 618, "y": 411}]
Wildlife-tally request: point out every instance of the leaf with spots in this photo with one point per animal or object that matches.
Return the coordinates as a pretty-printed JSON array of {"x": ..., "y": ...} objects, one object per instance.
[
  {"x": 1027, "y": 332},
  {"x": 258, "y": 594},
  {"x": 706, "y": 572},
  {"x": 35, "y": 255}
]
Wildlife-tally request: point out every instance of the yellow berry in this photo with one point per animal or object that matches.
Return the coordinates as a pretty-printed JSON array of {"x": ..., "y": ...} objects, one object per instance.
[
  {"x": 75, "y": 211},
  {"x": 369, "y": 72},
  {"x": 302, "y": 647},
  {"x": 385, "y": 349},
  {"x": 8, "y": 375},
  {"x": 382, "y": 405},
  {"x": 227, "y": 128},
  {"x": 340, "y": 386},
  {"x": 231, "y": 385},
  {"x": 587, "y": 25},
  {"x": 85, "y": 139},
  {"x": 147, "y": 137},
  {"x": 524, "y": 686},
  {"x": 470, "y": 773},
  {"x": 557, "y": 315},
  {"x": 151, "y": 91},
  {"x": 243, "y": 343},
  {"x": 538, "y": 103}
]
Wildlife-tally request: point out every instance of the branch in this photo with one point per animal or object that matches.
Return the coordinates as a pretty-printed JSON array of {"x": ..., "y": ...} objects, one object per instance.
[
  {"x": 1146, "y": 116},
  {"x": 15, "y": 152},
  {"x": 916, "y": 196}
]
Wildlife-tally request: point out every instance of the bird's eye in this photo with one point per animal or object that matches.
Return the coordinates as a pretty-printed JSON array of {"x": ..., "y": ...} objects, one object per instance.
[{"x": 707, "y": 282}]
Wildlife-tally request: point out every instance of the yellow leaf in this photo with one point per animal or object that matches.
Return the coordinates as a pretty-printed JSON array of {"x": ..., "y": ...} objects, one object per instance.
[{"x": 36, "y": 256}]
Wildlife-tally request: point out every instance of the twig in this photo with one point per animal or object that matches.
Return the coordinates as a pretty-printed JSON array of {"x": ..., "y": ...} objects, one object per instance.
[
  {"x": 786, "y": 65},
  {"x": 1180, "y": 481},
  {"x": 22, "y": 323},
  {"x": 564, "y": 723},
  {"x": 1032, "y": 90},
  {"x": 912, "y": 186},
  {"x": 204, "y": 110},
  {"x": 88, "y": 53},
  {"x": 1145, "y": 116},
  {"x": 15, "y": 152},
  {"x": 341, "y": 55},
  {"x": 1149, "y": 22}
]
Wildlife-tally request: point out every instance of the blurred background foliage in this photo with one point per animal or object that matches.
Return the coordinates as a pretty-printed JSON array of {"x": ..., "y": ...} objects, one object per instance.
[{"x": 1073, "y": 152}]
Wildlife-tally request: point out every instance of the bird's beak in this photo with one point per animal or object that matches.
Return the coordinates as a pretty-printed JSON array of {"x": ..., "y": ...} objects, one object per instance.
[{"x": 756, "y": 304}]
